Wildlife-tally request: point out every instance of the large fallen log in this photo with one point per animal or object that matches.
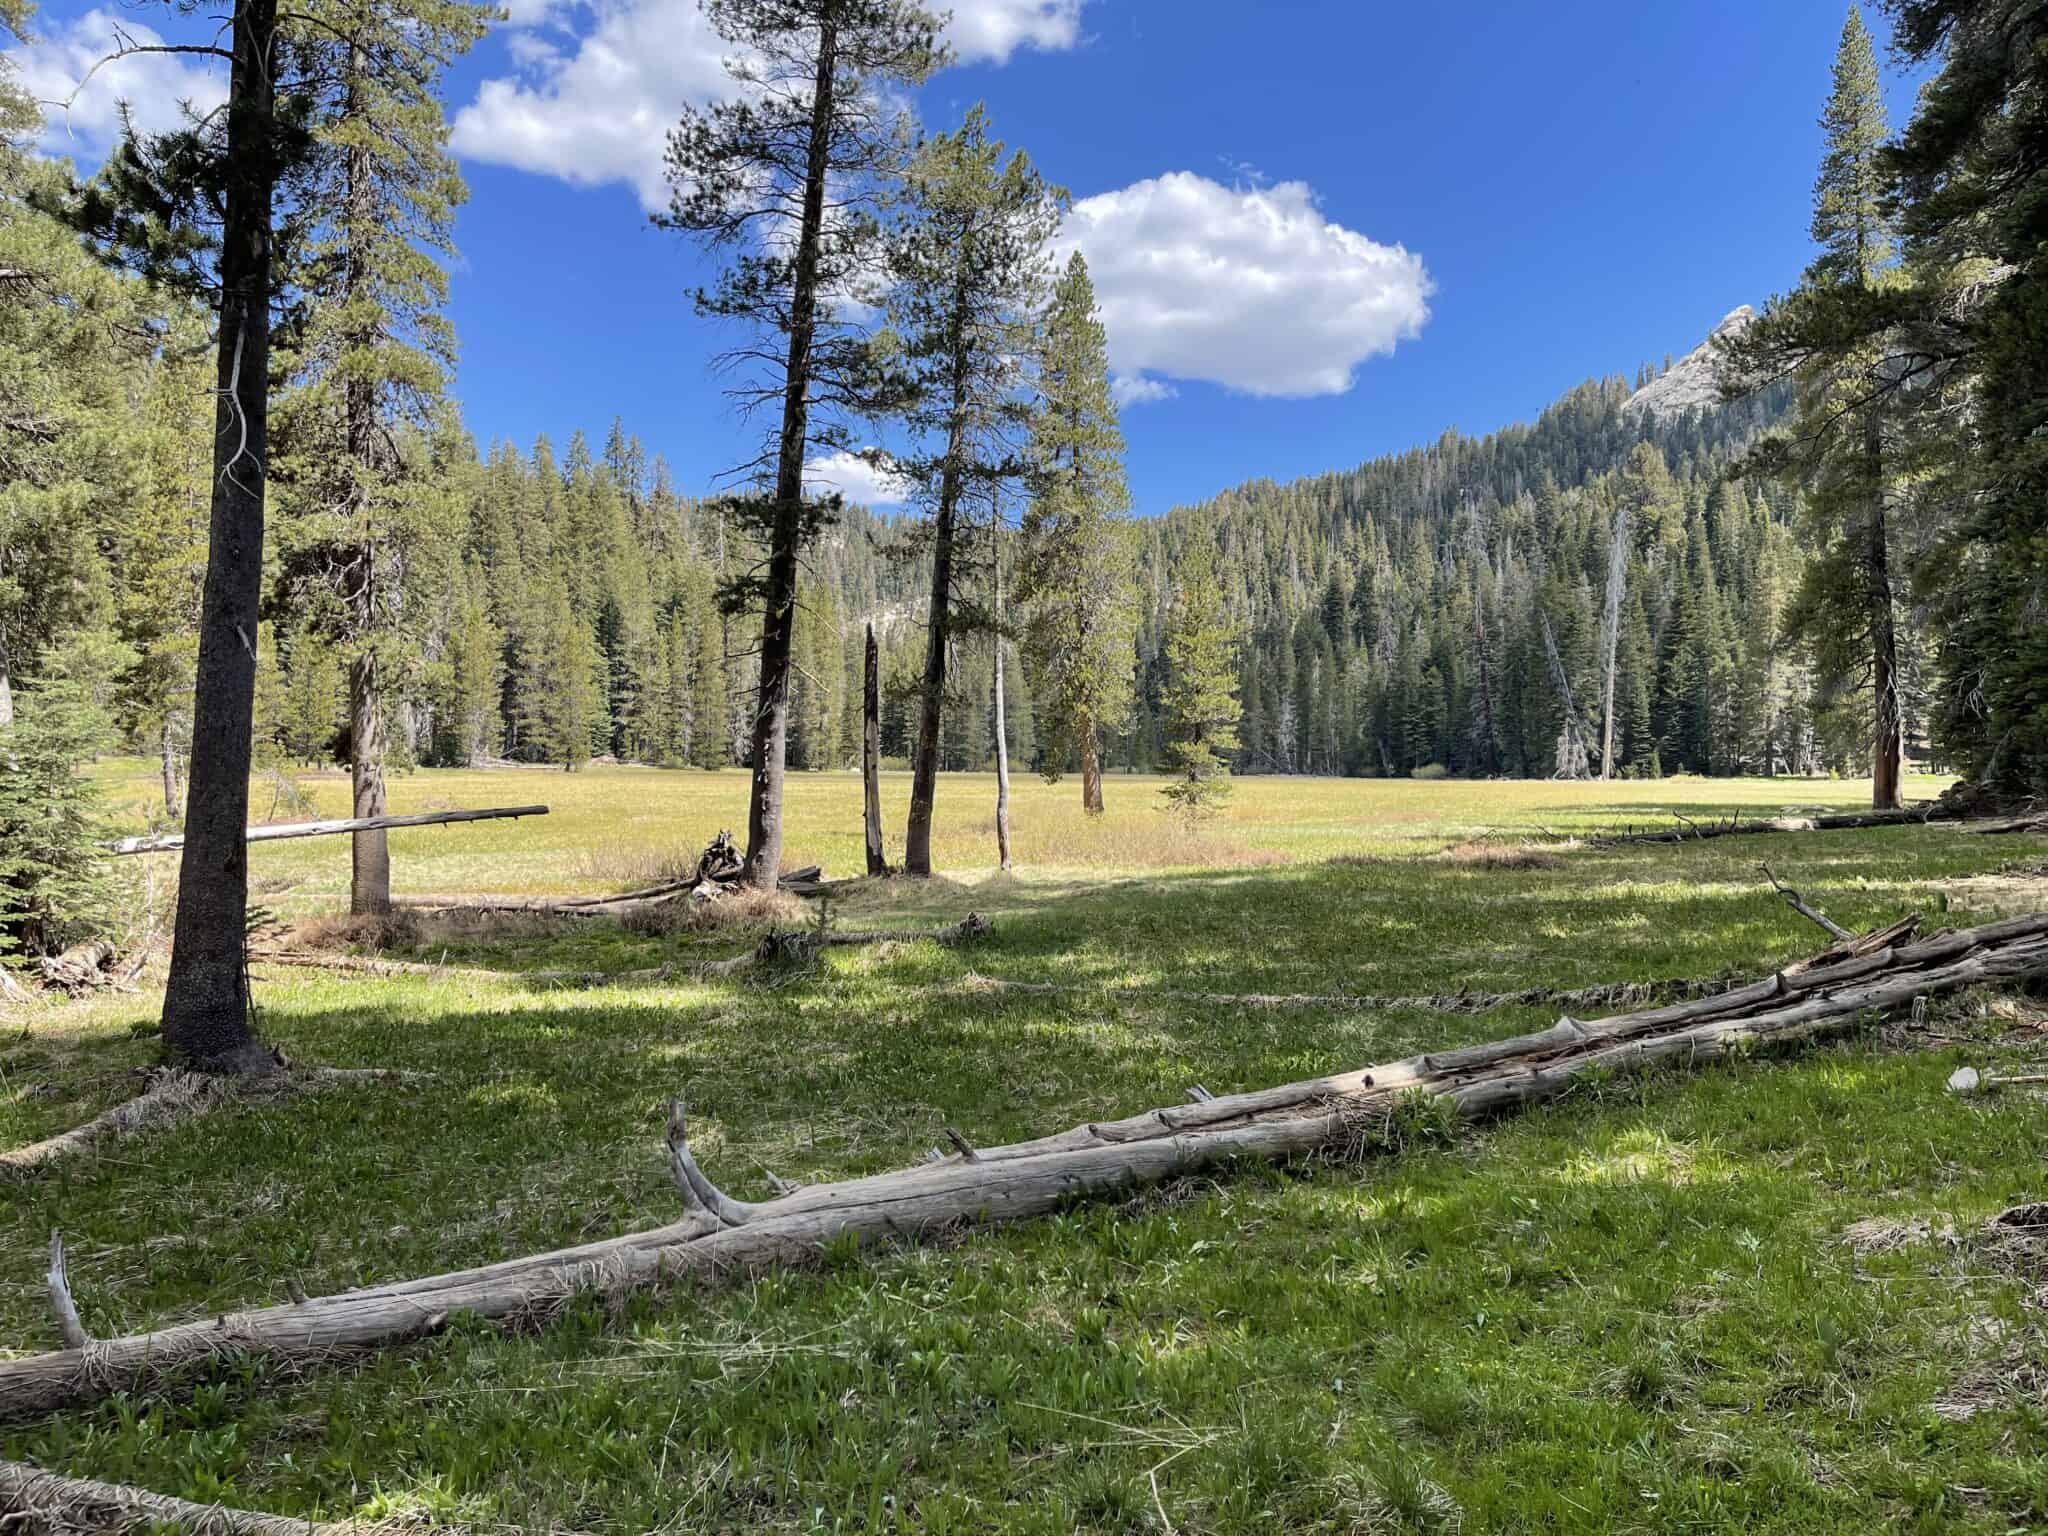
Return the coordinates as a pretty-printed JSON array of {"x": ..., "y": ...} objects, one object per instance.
[
  {"x": 170, "y": 841},
  {"x": 39, "y": 1503},
  {"x": 1690, "y": 831},
  {"x": 719, "y": 1238}
]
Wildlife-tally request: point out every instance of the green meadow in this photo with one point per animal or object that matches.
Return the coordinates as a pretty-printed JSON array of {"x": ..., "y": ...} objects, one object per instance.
[{"x": 1750, "y": 1298}]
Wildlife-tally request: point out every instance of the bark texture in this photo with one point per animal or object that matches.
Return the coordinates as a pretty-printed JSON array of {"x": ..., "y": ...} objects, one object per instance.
[
  {"x": 39, "y": 1503},
  {"x": 871, "y": 756},
  {"x": 778, "y": 610},
  {"x": 369, "y": 890},
  {"x": 206, "y": 1006},
  {"x": 719, "y": 1239}
]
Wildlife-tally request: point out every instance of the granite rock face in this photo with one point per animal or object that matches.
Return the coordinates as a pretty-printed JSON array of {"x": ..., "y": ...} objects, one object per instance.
[{"x": 1692, "y": 382}]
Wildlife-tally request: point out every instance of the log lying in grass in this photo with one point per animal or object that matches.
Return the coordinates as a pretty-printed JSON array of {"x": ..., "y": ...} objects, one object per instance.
[
  {"x": 719, "y": 1238},
  {"x": 1690, "y": 831},
  {"x": 174, "y": 1096},
  {"x": 34, "y": 1502},
  {"x": 174, "y": 840}
]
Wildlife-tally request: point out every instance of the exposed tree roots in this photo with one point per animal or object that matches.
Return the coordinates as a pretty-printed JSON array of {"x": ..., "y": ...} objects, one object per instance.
[
  {"x": 719, "y": 1238},
  {"x": 36, "y": 1503},
  {"x": 174, "y": 1096}
]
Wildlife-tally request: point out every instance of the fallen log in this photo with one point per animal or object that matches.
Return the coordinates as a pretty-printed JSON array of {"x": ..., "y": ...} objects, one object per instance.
[
  {"x": 1690, "y": 831},
  {"x": 43, "y": 1504},
  {"x": 168, "y": 842},
  {"x": 718, "y": 1238},
  {"x": 174, "y": 1096},
  {"x": 81, "y": 968}
]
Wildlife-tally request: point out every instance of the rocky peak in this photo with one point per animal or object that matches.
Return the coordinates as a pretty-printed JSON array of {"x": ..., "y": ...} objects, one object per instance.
[{"x": 1691, "y": 381}]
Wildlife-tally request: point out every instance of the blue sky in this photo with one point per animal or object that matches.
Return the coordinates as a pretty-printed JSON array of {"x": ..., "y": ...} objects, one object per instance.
[{"x": 1511, "y": 197}]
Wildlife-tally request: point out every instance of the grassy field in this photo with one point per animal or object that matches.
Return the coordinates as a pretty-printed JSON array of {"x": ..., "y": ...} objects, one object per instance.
[{"x": 1747, "y": 1299}]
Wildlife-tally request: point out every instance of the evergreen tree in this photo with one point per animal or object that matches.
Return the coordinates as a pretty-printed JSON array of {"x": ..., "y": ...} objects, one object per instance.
[
  {"x": 1075, "y": 569},
  {"x": 969, "y": 277},
  {"x": 810, "y": 110},
  {"x": 53, "y": 885},
  {"x": 1832, "y": 335},
  {"x": 1199, "y": 700}
]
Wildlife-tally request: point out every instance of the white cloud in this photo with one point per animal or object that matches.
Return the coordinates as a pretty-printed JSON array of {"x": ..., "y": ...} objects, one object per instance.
[
  {"x": 856, "y": 479},
  {"x": 154, "y": 86},
  {"x": 1249, "y": 287},
  {"x": 602, "y": 112}
]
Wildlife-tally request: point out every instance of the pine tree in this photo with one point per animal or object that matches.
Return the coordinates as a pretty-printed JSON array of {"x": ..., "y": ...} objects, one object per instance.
[
  {"x": 1833, "y": 335},
  {"x": 1076, "y": 567},
  {"x": 810, "y": 110},
  {"x": 710, "y": 740},
  {"x": 1199, "y": 702},
  {"x": 968, "y": 269},
  {"x": 53, "y": 884}
]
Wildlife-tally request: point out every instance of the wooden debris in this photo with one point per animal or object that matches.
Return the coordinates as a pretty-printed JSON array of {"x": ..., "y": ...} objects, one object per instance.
[
  {"x": 719, "y": 1239},
  {"x": 38, "y": 1503},
  {"x": 169, "y": 842},
  {"x": 81, "y": 968},
  {"x": 69, "y": 1328},
  {"x": 798, "y": 946},
  {"x": 1690, "y": 831},
  {"x": 173, "y": 1096},
  {"x": 1814, "y": 915}
]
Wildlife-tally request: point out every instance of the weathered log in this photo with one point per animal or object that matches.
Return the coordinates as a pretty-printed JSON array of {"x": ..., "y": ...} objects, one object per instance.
[
  {"x": 79, "y": 968},
  {"x": 171, "y": 1096},
  {"x": 1812, "y": 914},
  {"x": 718, "y": 1239},
  {"x": 1691, "y": 831},
  {"x": 174, "y": 1096},
  {"x": 174, "y": 840},
  {"x": 58, "y": 1282},
  {"x": 39, "y": 1503},
  {"x": 12, "y": 992}
]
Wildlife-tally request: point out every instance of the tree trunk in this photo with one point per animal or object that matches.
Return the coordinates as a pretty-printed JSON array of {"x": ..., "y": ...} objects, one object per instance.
[
  {"x": 1617, "y": 577},
  {"x": 167, "y": 753},
  {"x": 369, "y": 892},
  {"x": 1091, "y": 770},
  {"x": 1002, "y": 744},
  {"x": 871, "y": 756},
  {"x": 6, "y": 687},
  {"x": 924, "y": 766},
  {"x": 1887, "y": 748},
  {"x": 778, "y": 612},
  {"x": 206, "y": 1006}
]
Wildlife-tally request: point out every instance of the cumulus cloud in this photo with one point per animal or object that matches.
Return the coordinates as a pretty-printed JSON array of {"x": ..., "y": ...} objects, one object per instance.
[
  {"x": 856, "y": 479},
  {"x": 600, "y": 109},
  {"x": 1250, "y": 287},
  {"x": 154, "y": 87}
]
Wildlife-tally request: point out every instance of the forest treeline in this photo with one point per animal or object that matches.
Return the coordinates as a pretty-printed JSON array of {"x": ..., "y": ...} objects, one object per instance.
[{"x": 240, "y": 516}]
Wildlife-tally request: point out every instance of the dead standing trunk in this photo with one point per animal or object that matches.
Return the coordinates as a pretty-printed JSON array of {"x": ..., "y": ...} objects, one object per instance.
[
  {"x": 1887, "y": 747},
  {"x": 871, "y": 756},
  {"x": 369, "y": 892},
  {"x": 778, "y": 612},
  {"x": 206, "y": 1007},
  {"x": 6, "y": 687}
]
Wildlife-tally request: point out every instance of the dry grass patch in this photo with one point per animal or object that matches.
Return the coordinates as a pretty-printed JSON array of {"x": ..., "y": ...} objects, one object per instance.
[{"x": 1477, "y": 853}]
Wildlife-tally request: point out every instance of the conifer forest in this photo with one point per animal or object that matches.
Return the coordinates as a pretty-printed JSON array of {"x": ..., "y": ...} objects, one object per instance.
[{"x": 1015, "y": 917}]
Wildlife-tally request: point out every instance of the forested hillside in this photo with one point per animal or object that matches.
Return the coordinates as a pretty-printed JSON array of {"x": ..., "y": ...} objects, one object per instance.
[{"x": 561, "y": 605}]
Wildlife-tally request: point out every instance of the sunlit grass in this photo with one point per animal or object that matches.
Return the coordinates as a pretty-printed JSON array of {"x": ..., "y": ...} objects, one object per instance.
[{"x": 1632, "y": 1310}]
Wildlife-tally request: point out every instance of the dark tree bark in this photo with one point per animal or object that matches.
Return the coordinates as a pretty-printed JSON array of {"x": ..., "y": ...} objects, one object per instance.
[
  {"x": 369, "y": 892},
  {"x": 871, "y": 755},
  {"x": 1887, "y": 747},
  {"x": 917, "y": 840},
  {"x": 206, "y": 1007},
  {"x": 1091, "y": 770},
  {"x": 778, "y": 613}
]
